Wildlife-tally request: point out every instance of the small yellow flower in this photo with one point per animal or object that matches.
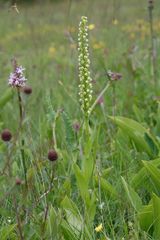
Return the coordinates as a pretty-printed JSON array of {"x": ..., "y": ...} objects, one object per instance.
[
  {"x": 91, "y": 26},
  {"x": 51, "y": 51},
  {"x": 98, "y": 45},
  {"x": 115, "y": 21},
  {"x": 99, "y": 228}
]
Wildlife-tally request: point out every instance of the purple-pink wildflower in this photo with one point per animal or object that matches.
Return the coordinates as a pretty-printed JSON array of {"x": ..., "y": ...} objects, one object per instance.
[
  {"x": 114, "y": 76},
  {"x": 17, "y": 78}
]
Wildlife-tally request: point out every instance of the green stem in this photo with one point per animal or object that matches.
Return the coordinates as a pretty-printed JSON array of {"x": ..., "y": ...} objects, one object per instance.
[{"x": 100, "y": 95}]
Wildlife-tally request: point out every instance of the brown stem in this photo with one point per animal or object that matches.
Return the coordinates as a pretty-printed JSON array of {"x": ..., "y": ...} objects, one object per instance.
[
  {"x": 18, "y": 220},
  {"x": 152, "y": 54},
  {"x": 22, "y": 143}
]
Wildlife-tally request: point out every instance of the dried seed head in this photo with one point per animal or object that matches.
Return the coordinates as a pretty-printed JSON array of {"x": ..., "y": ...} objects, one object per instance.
[
  {"x": 52, "y": 155},
  {"x": 6, "y": 135},
  {"x": 76, "y": 126},
  {"x": 27, "y": 90}
]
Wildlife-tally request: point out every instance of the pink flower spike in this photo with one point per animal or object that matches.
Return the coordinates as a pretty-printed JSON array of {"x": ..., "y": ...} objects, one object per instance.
[{"x": 17, "y": 78}]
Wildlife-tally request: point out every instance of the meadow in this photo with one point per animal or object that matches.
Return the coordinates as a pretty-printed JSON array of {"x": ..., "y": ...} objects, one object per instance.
[{"x": 79, "y": 146}]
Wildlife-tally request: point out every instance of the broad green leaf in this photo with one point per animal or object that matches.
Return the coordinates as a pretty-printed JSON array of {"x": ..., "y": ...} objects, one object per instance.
[
  {"x": 90, "y": 152},
  {"x": 137, "y": 133},
  {"x": 81, "y": 182},
  {"x": 138, "y": 113},
  {"x": 156, "y": 216},
  {"x": 52, "y": 223},
  {"x": 68, "y": 204},
  {"x": 145, "y": 217},
  {"x": 6, "y": 231},
  {"x": 68, "y": 232},
  {"x": 106, "y": 187},
  {"x": 140, "y": 178},
  {"x": 154, "y": 172},
  {"x": 91, "y": 207},
  {"x": 73, "y": 216},
  {"x": 132, "y": 196}
]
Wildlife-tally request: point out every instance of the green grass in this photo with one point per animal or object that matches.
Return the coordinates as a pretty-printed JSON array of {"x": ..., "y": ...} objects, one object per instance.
[{"x": 66, "y": 200}]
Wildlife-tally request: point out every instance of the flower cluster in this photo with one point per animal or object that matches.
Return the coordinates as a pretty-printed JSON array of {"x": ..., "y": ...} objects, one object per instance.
[
  {"x": 17, "y": 78},
  {"x": 99, "y": 228},
  {"x": 85, "y": 86},
  {"x": 113, "y": 76}
]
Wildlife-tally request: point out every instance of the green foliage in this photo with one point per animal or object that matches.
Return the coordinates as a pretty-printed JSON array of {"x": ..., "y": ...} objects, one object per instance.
[
  {"x": 5, "y": 98},
  {"x": 105, "y": 183},
  {"x": 138, "y": 134},
  {"x": 132, "y": 196}
]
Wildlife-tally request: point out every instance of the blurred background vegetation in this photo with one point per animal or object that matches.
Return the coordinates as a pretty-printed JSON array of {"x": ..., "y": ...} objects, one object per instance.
[{"x": 42, "y": 36}]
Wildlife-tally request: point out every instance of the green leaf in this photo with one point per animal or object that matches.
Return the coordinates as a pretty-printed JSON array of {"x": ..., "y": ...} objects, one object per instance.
[
  {"x": 52, "y": 223},
  {"x": 68, "y": 232},
  {"x": 73, "y": 216},
  {"x": 106, "y": 187},
  {"x": 145, "y": 217},
  {"x": 68, "y": 204},
  {"x": 140, "y": 178},
  {"x": 6, "y": 231},
  {"x": 156, "y": 216},
  {"x": 81, "y": 182},
  {"x": 106, "y": 172},
  {"x": 132, "y": 196},
  {"x": 137, "y": 133},
  {"x": 154, "y": 172}
]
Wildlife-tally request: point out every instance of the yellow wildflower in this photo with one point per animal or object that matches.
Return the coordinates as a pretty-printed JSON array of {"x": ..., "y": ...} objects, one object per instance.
[
  {"x": 98, "y": 45},
  {"x": 99, "y": 228},
  {"x": 91, "y": 26},
  {"x": 51, "y": 51},
  {"x": 115, "y": 21}
]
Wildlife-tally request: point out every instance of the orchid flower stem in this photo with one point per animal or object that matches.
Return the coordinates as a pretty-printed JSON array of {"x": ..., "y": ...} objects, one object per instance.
[
  {"x": 22, "y": 142},
  {"x": 100, "y": 95}
]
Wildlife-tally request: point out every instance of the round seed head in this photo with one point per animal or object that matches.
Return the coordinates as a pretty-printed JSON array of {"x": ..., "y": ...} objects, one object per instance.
[
  {"x": 27, "y": 90},
  {"x": 18, "y": 181},
  {"x": 52, "y": 155},
  {"x": 6, "y": 135}
]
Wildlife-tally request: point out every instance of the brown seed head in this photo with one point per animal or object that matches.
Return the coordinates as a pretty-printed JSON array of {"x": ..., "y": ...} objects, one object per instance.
[{"x": 27, "y": 90}]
